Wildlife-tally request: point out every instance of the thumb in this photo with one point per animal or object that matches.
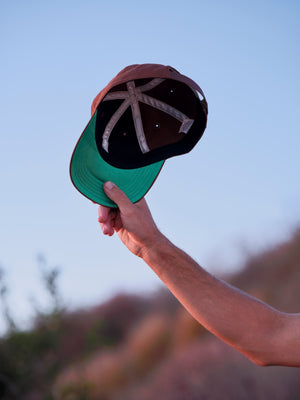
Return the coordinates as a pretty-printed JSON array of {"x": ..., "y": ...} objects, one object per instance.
[{"x": 115, "y": 194}]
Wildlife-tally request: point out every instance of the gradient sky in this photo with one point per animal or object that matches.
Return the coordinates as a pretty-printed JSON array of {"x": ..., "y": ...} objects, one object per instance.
[{"x": 236, "y": 192}]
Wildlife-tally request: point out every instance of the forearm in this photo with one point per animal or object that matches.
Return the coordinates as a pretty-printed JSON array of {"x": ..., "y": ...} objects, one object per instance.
[
  {"x": 235, "y": 317},
  {"x": 262, "y": 333}
]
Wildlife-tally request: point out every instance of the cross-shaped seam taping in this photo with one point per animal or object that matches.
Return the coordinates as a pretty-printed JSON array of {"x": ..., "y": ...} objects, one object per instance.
[{"x": 132, "y": 97}]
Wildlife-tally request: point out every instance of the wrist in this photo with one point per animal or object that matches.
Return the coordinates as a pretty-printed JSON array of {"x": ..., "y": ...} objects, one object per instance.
[{"x": 154, "y": 247}]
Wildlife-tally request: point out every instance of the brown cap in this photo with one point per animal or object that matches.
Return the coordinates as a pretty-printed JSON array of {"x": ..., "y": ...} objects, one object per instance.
[{"x": 146, "y": 114}]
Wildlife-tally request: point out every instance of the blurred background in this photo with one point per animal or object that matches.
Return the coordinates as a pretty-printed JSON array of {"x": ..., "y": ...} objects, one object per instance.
[{"x": 81, "y": 315}]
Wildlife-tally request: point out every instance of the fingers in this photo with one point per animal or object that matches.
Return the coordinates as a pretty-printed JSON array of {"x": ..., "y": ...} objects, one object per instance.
[
  {"x": 116, "y": 195},
  {"x": 107, "y": 229},
  {"x": 103, "y": 213},
  {"x": 106, "y": 219}
]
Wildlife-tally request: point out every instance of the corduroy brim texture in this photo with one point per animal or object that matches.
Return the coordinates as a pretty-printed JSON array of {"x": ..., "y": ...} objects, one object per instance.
[{"x": 89, "y": 171}]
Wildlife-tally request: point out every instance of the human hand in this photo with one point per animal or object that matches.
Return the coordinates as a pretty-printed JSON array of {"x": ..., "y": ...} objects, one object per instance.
[{"x": 132, "y": 222}]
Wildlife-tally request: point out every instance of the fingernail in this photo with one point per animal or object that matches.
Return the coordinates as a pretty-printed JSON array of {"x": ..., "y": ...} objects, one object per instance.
[{"x": 108, "y": 185}]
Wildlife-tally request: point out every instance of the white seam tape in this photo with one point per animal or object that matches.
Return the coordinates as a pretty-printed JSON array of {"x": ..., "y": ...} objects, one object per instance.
[
  {"x": 112, "y": 122},
  {"x": 137, "y": 119},
  {"x": 132, "y": 98}
]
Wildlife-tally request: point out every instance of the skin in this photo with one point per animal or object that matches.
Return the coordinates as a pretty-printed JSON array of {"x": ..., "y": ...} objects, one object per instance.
[{"x": 263, "y": 334}]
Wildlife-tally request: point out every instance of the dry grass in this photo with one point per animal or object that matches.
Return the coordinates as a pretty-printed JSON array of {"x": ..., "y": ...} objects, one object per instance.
[{"x": 145, "y": 348}]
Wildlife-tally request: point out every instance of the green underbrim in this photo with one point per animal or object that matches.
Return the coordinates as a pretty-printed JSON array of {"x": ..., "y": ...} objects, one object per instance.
[{"x": 89, "y": 171}]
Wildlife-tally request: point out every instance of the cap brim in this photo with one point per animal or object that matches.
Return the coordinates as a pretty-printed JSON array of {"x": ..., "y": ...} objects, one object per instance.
[{"x": 89, "y": 171}]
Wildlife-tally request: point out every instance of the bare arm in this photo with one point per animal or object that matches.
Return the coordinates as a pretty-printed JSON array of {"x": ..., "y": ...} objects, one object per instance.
[{"x": 263, "y": 334}]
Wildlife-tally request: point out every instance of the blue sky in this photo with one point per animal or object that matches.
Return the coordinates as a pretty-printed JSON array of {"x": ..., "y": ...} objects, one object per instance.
[{"x": 236, "y": 192}]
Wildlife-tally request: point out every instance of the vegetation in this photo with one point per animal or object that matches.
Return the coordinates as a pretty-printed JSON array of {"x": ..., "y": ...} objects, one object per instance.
[{"x": 145, "y": 347}]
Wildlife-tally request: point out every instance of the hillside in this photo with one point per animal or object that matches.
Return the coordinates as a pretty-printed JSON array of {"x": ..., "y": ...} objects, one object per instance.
[{"x": 148, "y": 347}]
